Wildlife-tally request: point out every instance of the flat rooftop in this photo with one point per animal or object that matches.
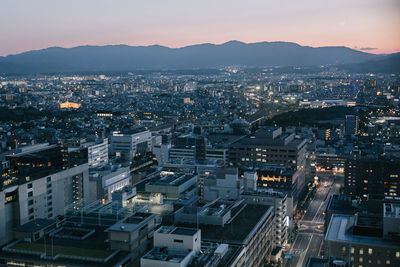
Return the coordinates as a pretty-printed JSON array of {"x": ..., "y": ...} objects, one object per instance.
[
  {"x": 166, "y": 255},
  {"x": 132, "y": 223},
  {"x": 340, "y": 202},
  {"x": 35, "y": 225},
  {"x": 391, "y": 210},
  {"x": 184, "y": 231},
  {"x": 238, "y": 231},
  {"x": 340, "y": 230},
  {"x": 172, "y": 180},
  {"x": 91, "y": 251}
]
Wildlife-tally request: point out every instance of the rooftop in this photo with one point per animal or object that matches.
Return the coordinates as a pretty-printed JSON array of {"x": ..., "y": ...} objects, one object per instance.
[
  {"x": 184, "y": 231},
  {"x": 392, "y": 210},
  {"x": 341, "y": 202},
  {"x": 131, "y": 223},
  {"x": 239, "y": 229},
  {"x": 173, "y": 179},
  {"x": 165, "y": 254},
  {"x": 91, "y": 250},
  {"x": 35, "y": 225},
  {"x": 340, "y": 230}
]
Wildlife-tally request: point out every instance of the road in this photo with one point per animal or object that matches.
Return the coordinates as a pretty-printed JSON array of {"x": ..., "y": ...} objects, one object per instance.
[{"x": 310, "y": 237}]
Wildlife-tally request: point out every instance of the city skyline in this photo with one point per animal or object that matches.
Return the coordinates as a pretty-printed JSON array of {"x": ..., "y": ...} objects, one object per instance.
[{"x": 369, "y": 26}]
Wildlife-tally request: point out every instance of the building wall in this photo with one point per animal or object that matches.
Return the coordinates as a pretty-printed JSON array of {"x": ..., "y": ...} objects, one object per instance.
[
  {"x": 173, "y": 241},
  {"x": 281, "y": 215},
  {"x": 45, "y": 197},
  {"x": 98, "y": 154},
  {"x": 260, "y": 246},
  {"x": 48, "y": 196},
  {"x": 366, "y": 255},
  {"x": 127, "y": 144},
  {"x": 292, "y": 157},
  {"x": 364, "y": 176}
]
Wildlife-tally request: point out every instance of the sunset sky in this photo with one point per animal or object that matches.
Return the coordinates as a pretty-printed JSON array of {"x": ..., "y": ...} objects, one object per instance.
[{"x": 369, "y": 25}]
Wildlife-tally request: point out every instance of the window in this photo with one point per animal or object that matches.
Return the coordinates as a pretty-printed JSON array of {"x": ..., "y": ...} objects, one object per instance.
[
  {"x": 361, "y": 252},
  {"x": 30, "y": 185},
  {"x": 30, "y": 202},
  {"x": 352, "y": 250},
  {"x": 370, "y": 251},
  {"x": 178, "y": 241},
  {"x": 387, "y": 262},
  {"x": 30, "y": 211},
  {"x": 48, "y": 179},
  {"x": 30, "y": 194},
  {"x": 360, "y": 260}
]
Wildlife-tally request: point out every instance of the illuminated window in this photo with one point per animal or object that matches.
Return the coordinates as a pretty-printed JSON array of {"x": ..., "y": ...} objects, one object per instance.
[
  {"x": 352, "y": 250},
  {"x": 397, "y": 254},
  {"x": 370, "y": 251},
  {"x": 360, "y": 260},
  {"x": 361, "y": 252},
  {"x": 387, "y": 262}
]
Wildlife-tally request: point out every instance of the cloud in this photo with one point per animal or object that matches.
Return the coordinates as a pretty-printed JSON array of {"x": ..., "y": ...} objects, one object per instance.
[{"x": 368, "y": 48}]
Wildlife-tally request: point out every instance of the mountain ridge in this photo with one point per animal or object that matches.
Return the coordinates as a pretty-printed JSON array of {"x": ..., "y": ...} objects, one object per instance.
[{"x": 123, "y": 57}]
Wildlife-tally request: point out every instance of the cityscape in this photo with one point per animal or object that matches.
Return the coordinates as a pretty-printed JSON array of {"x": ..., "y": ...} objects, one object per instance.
[{"x": 199, "y": 152}]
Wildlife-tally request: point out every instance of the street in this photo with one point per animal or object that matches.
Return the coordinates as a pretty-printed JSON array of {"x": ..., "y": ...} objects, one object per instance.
[{"x": 310, "y": 237}]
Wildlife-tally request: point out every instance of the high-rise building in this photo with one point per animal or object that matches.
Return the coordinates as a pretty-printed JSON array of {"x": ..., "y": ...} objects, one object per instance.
[
  {"x": 372, "y": 176},
  {"x": 40, "y": 184},
  {"x": 269, "y": 145},
  {"x": 364, "y": 240},
  {"x": 129, "y": 145},
  {"x": 350, "y": 125}
]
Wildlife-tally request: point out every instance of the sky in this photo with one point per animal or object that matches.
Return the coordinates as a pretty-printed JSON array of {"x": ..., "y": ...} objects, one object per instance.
[{"x": 368, "y": 25}]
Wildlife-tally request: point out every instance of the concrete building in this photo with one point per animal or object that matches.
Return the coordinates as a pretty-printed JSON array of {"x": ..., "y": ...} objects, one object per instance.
[
  {"x": 330, "y": 162},
  {"x": 236, "y": 224},
  {"x": 173, "y": 247},
  {"x": 269, "y": 145},
  {"x": 173, "y": 186},
  {"x": 340, "y": 204},
  {"x": 280, "y": 179},
  {"x": 107, "y": 179},
  {"x": 365, "y": 177},
  {"x": 350, "y": 125},
  {"x": 97, "y": 150},
  {"x": 129, "y": 145},
  {"x": 40, "y": 184},
  {"x": 132, "y": 233},
  {"x": 90, "y": 235},
  {"x": 182, "y": 246},
  {"x": 277, "y": 200},
  {"x": 360, "y": 241},
  {"x": 97, "y": 153},
  {"x": 223, "y": 183}
]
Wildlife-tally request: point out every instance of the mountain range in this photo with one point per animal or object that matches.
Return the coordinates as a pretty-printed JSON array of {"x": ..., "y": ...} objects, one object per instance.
[{"x": 155, "y": 57}]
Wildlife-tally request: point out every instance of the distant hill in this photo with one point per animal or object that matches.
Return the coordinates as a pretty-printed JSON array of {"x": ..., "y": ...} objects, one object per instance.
[
  {"x": 385, "y": 64},
  {"x": 126, "y": 58}
]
